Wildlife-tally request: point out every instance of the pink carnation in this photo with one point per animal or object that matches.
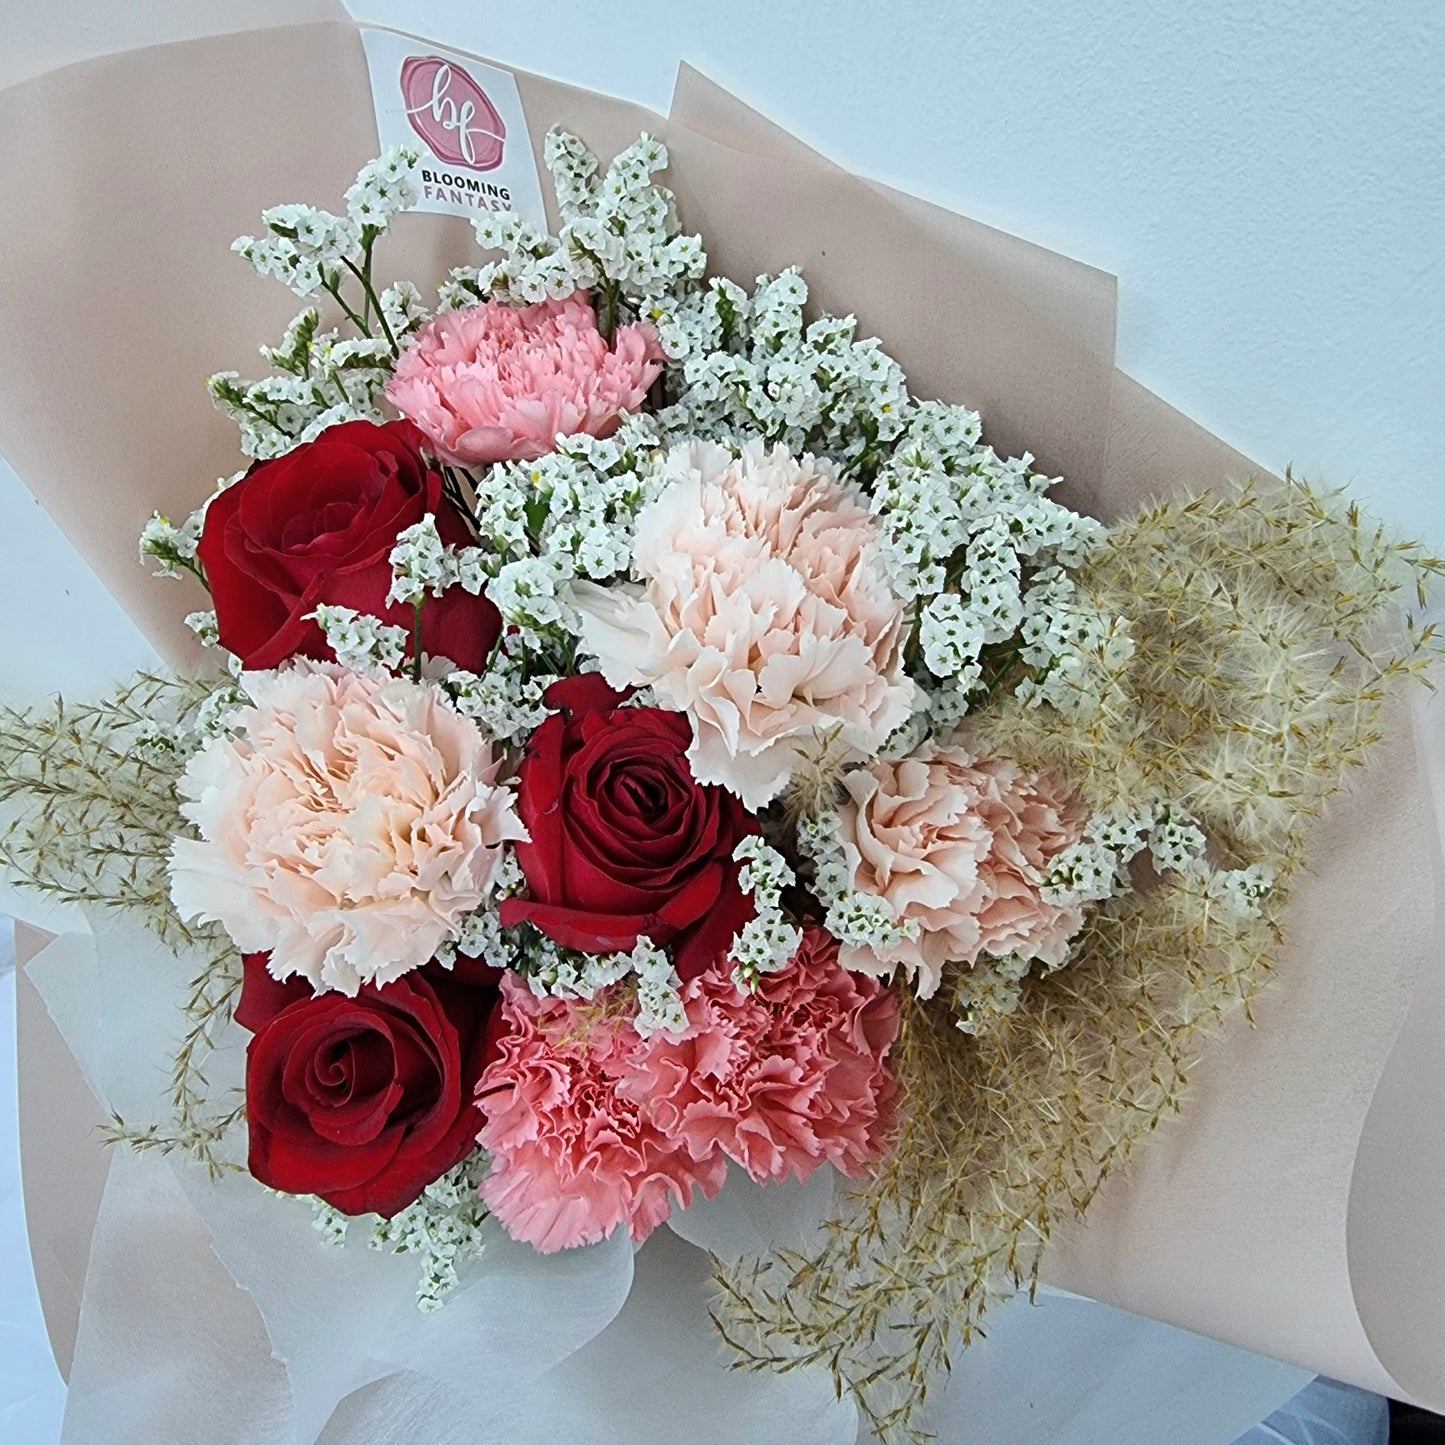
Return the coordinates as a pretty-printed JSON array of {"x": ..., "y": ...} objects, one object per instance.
[
  {"x": 495, "y": 383},
  {"x": 590, "y": 1125},
  {"x": 573, "y": 1155},
  {"x": 958, "y": 845},
  {"x": 782, "y": 1080}
]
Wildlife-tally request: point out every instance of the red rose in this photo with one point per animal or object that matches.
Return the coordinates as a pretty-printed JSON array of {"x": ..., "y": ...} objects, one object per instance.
[
  {"x": 317, "y": 526},
  {"x": 625, "y": 843},
  {"x": 365, "y": 1101}
]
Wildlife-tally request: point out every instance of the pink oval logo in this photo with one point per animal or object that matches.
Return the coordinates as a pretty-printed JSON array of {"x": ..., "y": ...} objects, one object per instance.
[{"x": 452, "y": 113}]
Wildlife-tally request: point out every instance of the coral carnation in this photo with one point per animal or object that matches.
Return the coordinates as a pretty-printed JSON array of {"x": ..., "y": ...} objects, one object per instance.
[
  {"x": 767, "y": 615},
  {"x": 784, "y": 1079},
  {"x": 495, "y": 383},
  {"x": 959, "y": 846},
  {"x": 590, "y": 1125},
  {"x": 346, "y": 829},
  {"x": 572, "y": 1155}
]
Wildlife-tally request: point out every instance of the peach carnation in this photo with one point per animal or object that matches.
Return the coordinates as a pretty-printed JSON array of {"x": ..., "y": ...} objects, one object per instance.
[
  {"x": 496, "y": 383},
  {"x": 960, "y": 846},
  {"x": 346, "y": 827},
  {"x": 766, "y": 615},
  {"x": 784, "y": 1079},
  {"x": 591, "y": 1126},
  {"x": 572, "y": 1155}
]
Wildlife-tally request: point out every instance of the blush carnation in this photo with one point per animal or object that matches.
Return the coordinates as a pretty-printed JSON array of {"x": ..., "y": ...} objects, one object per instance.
[
  {"x": 573, "y": 1156},
  {"x": 496, "y": 383},
  {"x": 959, "y": 845},
  {"x": 346, "y": 828},
  {"x": 784, "y": 1079},
  {"x": 767, "y": 615}
]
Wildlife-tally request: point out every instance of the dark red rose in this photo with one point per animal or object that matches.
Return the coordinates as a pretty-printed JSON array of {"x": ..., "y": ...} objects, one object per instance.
[
  {"x": 317, "y": 526},
  {"x": 365, "y": 1101},
  {"x": 626, "y": 844}
]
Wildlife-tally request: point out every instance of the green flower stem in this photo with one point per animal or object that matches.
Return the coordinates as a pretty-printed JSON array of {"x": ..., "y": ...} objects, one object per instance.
[
  {"x": 372, "y": 300},
  {"x": 416, "y": 608},
  {"x": 333, "y": 288}
]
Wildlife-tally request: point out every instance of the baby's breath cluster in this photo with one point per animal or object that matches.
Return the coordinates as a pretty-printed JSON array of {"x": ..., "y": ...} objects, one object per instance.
[
  {"x": 752, "y": 366},
  {"x": 768, "y": 941},
  {"x": 619, "y": 237},
  {"x": 444, "y": 1227}
]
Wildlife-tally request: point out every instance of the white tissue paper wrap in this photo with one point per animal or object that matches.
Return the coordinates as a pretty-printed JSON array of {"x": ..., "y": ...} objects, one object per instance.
[{"x": 209, "y": 1301}]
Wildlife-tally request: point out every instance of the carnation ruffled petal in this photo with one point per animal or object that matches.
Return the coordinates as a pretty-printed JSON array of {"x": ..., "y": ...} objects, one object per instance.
[
  {"x": 496, "y": 383},
  {"x": 959, "y": 845},
  {"x": 346, "y": 828},
  {"x": 766, "y": 615}
]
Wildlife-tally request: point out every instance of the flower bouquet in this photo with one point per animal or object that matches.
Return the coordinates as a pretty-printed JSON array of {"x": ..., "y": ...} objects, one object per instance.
[{"x": 647, "y": 742}]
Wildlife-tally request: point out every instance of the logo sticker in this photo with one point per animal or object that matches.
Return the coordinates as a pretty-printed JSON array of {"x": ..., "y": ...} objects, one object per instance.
[
  {"x": 452, "y": 113},
  {"x": 464, "y": 117}
]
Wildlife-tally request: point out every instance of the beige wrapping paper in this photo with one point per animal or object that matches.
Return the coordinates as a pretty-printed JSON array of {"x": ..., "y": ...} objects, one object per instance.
[
  {"x": 1252, "y": 1222},
  {"x": 1239, "y": 1222}
]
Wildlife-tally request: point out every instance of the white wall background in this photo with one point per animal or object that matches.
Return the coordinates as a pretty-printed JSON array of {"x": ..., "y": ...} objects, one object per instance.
[{"x": 1266, "y": 177}]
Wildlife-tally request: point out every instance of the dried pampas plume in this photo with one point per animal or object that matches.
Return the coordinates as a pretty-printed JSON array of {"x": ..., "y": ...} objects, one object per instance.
[
  {"x": 89, "y": 810},
  {"x": 1270, "y": 638}
]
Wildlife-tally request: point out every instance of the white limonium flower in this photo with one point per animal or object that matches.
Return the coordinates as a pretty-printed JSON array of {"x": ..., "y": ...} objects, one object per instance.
[
  {"x": 1175, "y": 843},
  {"x": 305, "y": 246},
  {"x": 1243, "y": 890},
  {"x": 991, "y": 990},
  {"x": 480, "y": 934},
  {"x": 383, "y": 188},
  {"x": 533, "y": 594},
  {"x": 1088, "y": 872},
  {"x": 1096, "y": 867},
  {"x": 172, "y": 548},
  {"x": 857, "y": 920},
  {"x": 444, "y": 1227},
  {"x": 619, "y": 236},
  {"x": 326, "y": 381},
  {"x": 951, "y": 634},
  {"x": 749, "y": 366},
  {"x": 362, "y": 643},
  {"x": 420, "y": 564},
  {"x": 578, "y": 504},
  {"x": 506, "y": 701},
  {"x": 553, "y": 972},
  {"x": 203, "y": 624},
  {"x": 767, "y": 941},
  {"x": 216, "y": 712},
  {"x": 403, "y": 308},
  {"x": 659, "y": 991}
]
